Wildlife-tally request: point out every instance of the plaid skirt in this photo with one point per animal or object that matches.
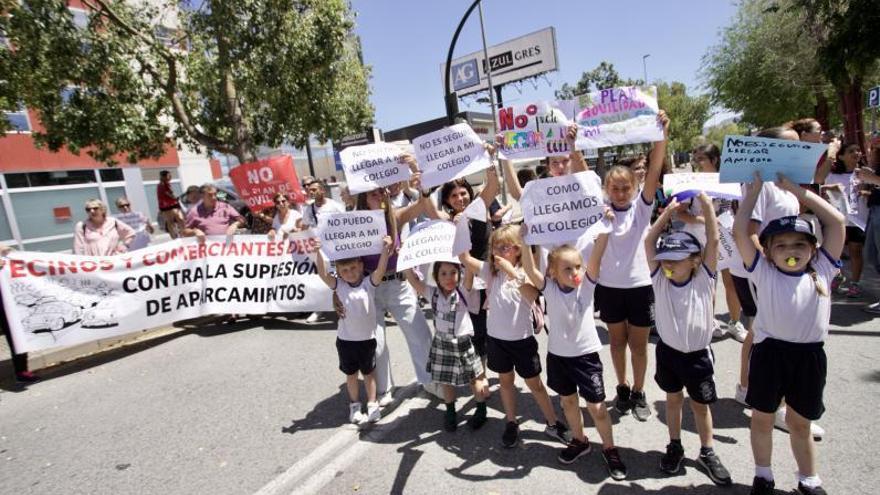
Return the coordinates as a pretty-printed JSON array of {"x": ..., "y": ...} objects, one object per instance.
[{"x": 452, "y": 360}]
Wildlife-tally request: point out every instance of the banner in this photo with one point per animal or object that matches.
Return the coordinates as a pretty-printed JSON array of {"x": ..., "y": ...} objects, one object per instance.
[
  {"x": 257, "y": 182},
  {"x": 727, "y": 250},
  {"x": 372, "y": 166},
  {"x": 534, "y": 130},
  {"x": 450, "y": 153},
  {"x": 690, "y": 184},
  {"x": 57, "y": 300},
  {"x": 430, "y": 241},
  {"x": 353, "y": 234},
  {"x": 741, "y": 156},
  {"x": 611, "y": 117},
  {"x": 560, "y": 209}
]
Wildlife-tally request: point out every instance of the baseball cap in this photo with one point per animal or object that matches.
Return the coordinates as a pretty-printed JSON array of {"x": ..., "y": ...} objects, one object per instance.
[
  {"x": 787, "y": 224},
  {"x": 677, "y": 246}
]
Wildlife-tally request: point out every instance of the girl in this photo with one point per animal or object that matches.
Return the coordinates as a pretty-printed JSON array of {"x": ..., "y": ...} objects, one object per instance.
[
  {"x": 684, "y": 292},
  {"x": 842, "y": 177},
  {"x": 792, "y": 279},
  {"x": 452, "y": 360},
  {"x": 623, "y": 292},
  {"x": 573, "y": 363},
  {"x": 511, "y": 343}
]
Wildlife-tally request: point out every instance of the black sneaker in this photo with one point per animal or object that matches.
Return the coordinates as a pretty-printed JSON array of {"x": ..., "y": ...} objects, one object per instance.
[
  {"x": 558, "y": 432},
  {"x": 670, "y": 463},
  {"x": 805, "y": 490},
  {"x": 760, "y": 486},
  {"x": 511, "y": 435},
  {"x": 615, "y": 465},
  {"x": 451, "y": 422},
  {"x": 575, "y": 449},
  {"x": 623, "y": 403},
  {"x": 479, "y": 417},
  {"x": 640, "y": 407},
  {"x": 716, "y": 471}
]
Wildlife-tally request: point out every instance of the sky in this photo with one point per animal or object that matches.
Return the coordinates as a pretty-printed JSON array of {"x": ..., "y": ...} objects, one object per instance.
[{"x": 406, "y": 41}]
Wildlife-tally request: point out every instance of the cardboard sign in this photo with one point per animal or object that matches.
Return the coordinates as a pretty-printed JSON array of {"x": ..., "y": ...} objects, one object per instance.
[
  {"x": 352, "y": 234},
  {"x": 534, "y": 130},
  {"x": 449, "y": 154},
  {"x": 560, "y": 209},
  {"x": 429, "y": 242},
  {"x": 372, "y": 166},
  {"x": 616, "y": 116},
  {"x": 727, "y": 250},
  {"x": 687, "y": 185},
  {"x": 741, "y": 156},
  {"x": 257, "y": 182}
]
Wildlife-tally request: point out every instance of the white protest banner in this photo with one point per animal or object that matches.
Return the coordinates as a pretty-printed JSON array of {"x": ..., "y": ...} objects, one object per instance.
[
  {"x": 727, "y": 250},
  {"x": 611, "y": 117},
  {"x": 560, "y": 209},
  {"x": 534, "y": 130},
  {"x": 450, "y": 153},
  {"x": 690, "y": 184},
  {"x": 428, "y": 242},
  {"x": 57, "y": 300},
  {"x": 351, "y": 234},
  {"x": 741, "y": 156},
  {"x": 372, "y": 166}
]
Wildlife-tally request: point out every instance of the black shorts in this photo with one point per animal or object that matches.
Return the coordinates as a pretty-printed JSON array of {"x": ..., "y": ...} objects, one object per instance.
[
  {"x": 505, "y": 355},
  {"x": 567, "y": 375},
  {"x": 796, "y": 372},
  {"x": 854, "y": 234},
  {"x": 176, "y": 206},
  {"x": 744, "y": 294},
  {"x": 635, "y": 305},
  {"x": 478, "y": 320},
  {"x": 692, "y": 370},
  {"x": 356, "y": 355}
]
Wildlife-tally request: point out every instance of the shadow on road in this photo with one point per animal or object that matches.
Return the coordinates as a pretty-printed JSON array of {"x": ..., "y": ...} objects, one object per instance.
[
  {"x": 331, "y": 412},
  {"x": 726, "y": 414}
]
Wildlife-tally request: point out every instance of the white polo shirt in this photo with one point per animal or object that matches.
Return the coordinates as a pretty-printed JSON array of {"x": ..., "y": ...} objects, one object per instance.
[
  {"x": 451, "y": 313},
  {"x": 685, "y": 314},
  {"x": 509, "y": 317},
  {"x": 624, "y": 264},
  {"x": 360, "y": 310},
  {"x": 571, "y": 327}
]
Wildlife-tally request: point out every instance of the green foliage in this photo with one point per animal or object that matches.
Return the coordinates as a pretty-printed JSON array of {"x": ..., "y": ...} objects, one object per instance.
[
  {"x": 716, "y": 134},
  {"x": 604, "y": 76},
  {"x": 686, "y": 114}
]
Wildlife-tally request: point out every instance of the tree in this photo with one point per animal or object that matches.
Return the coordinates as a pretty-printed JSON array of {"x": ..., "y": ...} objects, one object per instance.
[
  {"x": 229, "y": 75},
  {"x": 686, "y": 114},
  {"x": 604, "y": 76},
  {"x": 715, "y": 135}
]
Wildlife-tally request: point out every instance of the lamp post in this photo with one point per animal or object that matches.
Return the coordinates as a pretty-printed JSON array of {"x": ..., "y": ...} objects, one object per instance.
[
  {"x": 452, "y": 98},
  {"x": 645, "y": 66}
]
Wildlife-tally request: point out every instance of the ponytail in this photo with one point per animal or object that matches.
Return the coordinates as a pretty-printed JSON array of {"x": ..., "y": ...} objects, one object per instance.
[{"x": 820, "y": 288}]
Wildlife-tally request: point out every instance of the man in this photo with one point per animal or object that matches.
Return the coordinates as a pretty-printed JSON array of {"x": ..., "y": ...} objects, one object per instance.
[
  {"x": 137, "y": 221},
  {"x": 169, "y": 208},
  {"x": 320, "y": 205},
  {"x": 211, "y": 217},
  {"x": 191, "y": 198}
]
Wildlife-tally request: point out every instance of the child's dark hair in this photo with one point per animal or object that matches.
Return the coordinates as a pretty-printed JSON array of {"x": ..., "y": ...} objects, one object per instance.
[
  {"x": 348, "y": 261},
  {"x": 525, "y": 175},
  {"x": 435, "y": 270}
]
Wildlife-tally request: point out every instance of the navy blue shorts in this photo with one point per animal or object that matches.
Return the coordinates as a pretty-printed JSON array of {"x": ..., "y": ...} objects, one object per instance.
[
  {"x": 744, "y": 294},
  {"x": 356, "y": 355},
  {"x": 568, "y": 375},
  {"x": 635, "y": 305},
  {"x": 794, "y": 371},
  {"x": 695, "y": 371},
  {"x": 507, "y": 355}
]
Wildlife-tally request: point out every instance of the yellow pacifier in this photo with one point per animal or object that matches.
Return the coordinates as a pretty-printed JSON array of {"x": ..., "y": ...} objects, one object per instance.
[
  {"x": 667, "y": 272},
  {"x": 790, "y": 261}
]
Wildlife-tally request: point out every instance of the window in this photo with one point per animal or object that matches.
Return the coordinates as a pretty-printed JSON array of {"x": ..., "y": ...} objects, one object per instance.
[
  {"x": 60, "y": 178},
  {"x": 19, "y": 120},
  {"x": 111, "y": 175},
  {"x": 80, "y": 17}
]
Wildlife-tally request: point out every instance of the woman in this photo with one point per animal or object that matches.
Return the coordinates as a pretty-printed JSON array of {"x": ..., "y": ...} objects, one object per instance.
[
  {"x": 286, "y": 220},
  {"x": 99, "y": 235},
  {"x": 842, "y": 177}
]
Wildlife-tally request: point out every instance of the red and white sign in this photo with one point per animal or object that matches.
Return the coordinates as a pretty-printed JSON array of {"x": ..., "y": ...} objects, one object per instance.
[{"x": 257, "y": 182}]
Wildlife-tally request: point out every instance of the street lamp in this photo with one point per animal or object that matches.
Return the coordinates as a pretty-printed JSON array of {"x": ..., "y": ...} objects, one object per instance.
[
  {"x": 645, "y": 66},
  {"x": 452, "y": 98}
]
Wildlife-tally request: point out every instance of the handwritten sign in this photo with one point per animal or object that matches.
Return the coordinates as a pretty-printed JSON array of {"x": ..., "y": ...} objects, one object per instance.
[
  {"x": 727, "y": 250},
  {"x": 372, "y": 166},
  {"x": 560, "y": 209},
  {"x": 353, "y": 234},
  {"x": 741, "y": 156},
  {"x": 616, "y": 116},
  {"x": 534, "y": 130},
  {"x": 449, "y": 154},
  {"x": 429, "y": 242},
  {"x": 687, "y": 185}
]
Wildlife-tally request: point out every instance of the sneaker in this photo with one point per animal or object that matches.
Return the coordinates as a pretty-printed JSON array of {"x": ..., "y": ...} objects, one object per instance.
[
  {"x": 313, "y": 318},
  {"x": 837, "y": 282},
  {"x": 873, "y": 308},
  {"x": 27, "y": 377},
  {"x": 740, "y": 395},
  {"x": 817, "y": 431},
  {"x": 373, "y": 412},
  {"x": 671, "y": 461},
  {"x": 479, "y": 417},
  {"x": 716, "y": 471},
  {"x": 558, "y": 432},
  {"x": 640, "y": 406},
  {"x": 623, "y": 403},
  {"x": 575, "y": 449},
  {"x": 737, "y": 330},
  {"x": 511, "y": 435},
  {"x": 450, "y": 423},
  {"x": 354, "y": 413},
  {"x": 760, "y": 486},
  {"x": 616, "y": 468},
  {"x": 806, "y": 490},
  {"x": 854, "y": 291},
  {"x": 717, "y": 329},
  {"x": 386, "y": 399}
]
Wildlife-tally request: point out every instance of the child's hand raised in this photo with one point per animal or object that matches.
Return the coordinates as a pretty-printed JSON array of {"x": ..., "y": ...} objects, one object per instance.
[
  {"x": 608, "y": 213},
  {"x": 571, "y": 135},
  {"x": 387, "y": 243},
  {"x": 504, "y": 265}
]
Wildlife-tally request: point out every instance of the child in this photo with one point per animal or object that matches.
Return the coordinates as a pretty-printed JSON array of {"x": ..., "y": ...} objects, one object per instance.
[
  {"x": 792, "y": 280},
  {"x": 356, "y": 335},
  {"x": 683, "y": 277},
  {"x": 573, "y": 347},
  {"x": 511, "y": 343},
  {"x": 623, "y": 293},
  {"x": 453, "y": 360}
]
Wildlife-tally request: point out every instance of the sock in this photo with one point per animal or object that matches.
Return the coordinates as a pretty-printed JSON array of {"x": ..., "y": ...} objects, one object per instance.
[
  {"x": 706, "y": 451},
  {"x": 481, "y": 406},
  {"x": 764, "y": 472},
  {"x": 450, "y": 406},
  {"x": 810, "y": 481},
  {"x": 675, "y": 441}
]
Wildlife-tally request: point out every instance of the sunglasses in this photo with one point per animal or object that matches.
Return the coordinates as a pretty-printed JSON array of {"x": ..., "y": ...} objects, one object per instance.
[
  {"x": 92, "y": 208},
  {"x": 281, "y": 201},
  {"x": 124, "y": 205}
]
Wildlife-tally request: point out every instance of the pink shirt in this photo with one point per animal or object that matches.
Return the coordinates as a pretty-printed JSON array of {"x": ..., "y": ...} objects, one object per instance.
[
  {"x": 112, "y": 237},
  {"x": 214, "y": 222}
]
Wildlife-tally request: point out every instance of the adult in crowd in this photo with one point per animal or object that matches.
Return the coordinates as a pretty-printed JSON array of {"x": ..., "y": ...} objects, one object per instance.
[
  {"x": 169, "y": 208},
  {"x": 212, "y": 217},
  {"x": 869, "y": 176},
  {"x": 191, "y": 198},
  {"x": 810, "y": 131},
  {"x": 287, "y": 220},
  {"x": 142, "y": 226},
  {"x": 319, "y": 205},
  {"x": 99, "y": 235},
  {"x": 843, "y": 178},
  {"x": 19, "y": 360}
]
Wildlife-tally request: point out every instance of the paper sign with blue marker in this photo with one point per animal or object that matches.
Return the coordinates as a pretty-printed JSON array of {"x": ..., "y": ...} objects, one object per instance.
[
  {"x": 742, "y": 156},
  {"x": 687, "y": 185}
]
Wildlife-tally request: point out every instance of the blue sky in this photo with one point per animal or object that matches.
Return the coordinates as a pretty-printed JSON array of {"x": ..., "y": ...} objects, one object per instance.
[{"x": 405, "y": 41}]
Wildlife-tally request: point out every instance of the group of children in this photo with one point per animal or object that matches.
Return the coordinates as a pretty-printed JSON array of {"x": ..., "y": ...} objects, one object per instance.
[{"x": 637, "y": 278}]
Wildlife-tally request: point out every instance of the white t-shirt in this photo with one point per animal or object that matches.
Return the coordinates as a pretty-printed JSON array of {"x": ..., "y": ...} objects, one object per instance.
[
  {"x": 310, "y": 211},
  {"x": 774, "y": 203},
  {"x": 360, "y": 310},
  {"x": 571, "y": 327},
  {"x": 624, "y": 264},
  {"x": 685, "y": 313},
  {"x": 289, "y": 225},
  {"x": 858, "y": 205},
  {"x": 789, "y": 307},
  {"x": 508, "y": 316},
  {"x": 451, "y": 314}
]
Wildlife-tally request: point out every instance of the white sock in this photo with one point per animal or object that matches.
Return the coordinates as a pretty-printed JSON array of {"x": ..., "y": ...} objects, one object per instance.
[
  {"x": 810, "y": 481},
  {"x": 764, "y": 472}
]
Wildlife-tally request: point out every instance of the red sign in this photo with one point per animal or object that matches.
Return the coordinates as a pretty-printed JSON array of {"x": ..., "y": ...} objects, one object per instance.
[{"x": 257, "y": 182}]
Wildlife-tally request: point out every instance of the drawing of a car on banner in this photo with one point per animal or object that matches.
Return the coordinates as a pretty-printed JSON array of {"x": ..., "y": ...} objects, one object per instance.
[
  {"x": 101, "y": 315},
  {"x": 50, "y": 314}
]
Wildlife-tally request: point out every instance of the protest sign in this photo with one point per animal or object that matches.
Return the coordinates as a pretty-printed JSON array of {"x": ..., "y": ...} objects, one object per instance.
[
  {"x": 727, "y": 250},
  {"x": 257, "y": 182},
  {"x": 137, "y": 221},
  {"x": 742, "y": 156},
  {"x": 534, "y": 130},
  {"x": 428, "y": 242},
  {"x": 615, "y": 116},
  {"x": 57, "y": 300},
  {"x": 450, "y": 153},
  {"x": 560, "y": 209},
  {"x": 372, "y": 166},
  {"x": 462, "y": 241},
  {"x": 476, "y": 210},
  {"x": 352, "y": 234},
  {"x": 687, "y": 185}
]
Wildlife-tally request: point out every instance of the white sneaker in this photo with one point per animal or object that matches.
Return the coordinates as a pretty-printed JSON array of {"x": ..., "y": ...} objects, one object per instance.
[
  {"x": 737, "y": 330},
  {"x": 354, "y": 413},
  {"x": 373, "y": 412},
  {"x": 386, "y": 399},
  {"x": 873, "y": 308},
  {"x": 740, "y": 394},
  {"x": 313, "y": 318},
  {"x": 718, "y": 329},
  {"x": 817, "y": 431}
]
